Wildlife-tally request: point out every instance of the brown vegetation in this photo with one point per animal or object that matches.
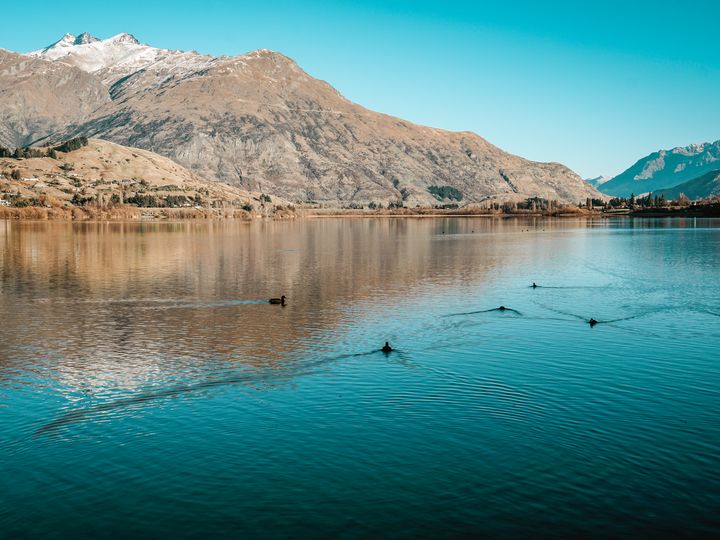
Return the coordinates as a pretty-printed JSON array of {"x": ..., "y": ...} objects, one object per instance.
[
  {"x": 128, "y": 213},
  {"x": 99, "y": 180}
]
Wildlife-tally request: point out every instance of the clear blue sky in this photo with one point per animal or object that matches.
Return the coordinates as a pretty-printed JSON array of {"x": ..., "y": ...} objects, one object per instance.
[{"x": 594, "y": 85}]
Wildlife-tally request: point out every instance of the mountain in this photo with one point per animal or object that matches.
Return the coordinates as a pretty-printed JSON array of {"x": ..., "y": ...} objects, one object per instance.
[
  {"x": 260, "y": 122},
  {"x": 598, "y": 181},
  {"x": 39, "y": 97},
  {"x": 120, "y": 56},
  {"x": 105, "y": 170},
  {"x": 665, "y": 169},
  {"x": 707, "y": 185}
]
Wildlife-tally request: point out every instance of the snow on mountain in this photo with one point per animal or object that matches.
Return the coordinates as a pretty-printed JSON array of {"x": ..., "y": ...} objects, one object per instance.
[
  {"x": 117, "y": 57},
  {"x": 84, "y": 39},
  {"x": 57, "y": 49},
  {"x": 598, "y": 180},
  {"x": 665, "y": 168}
]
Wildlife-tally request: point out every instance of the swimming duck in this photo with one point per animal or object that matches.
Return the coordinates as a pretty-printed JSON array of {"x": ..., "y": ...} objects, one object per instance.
[
  {"x": 534, "y": 285},
  {"x": 387, "y": 348},
  {"x": 280, "y": 300},
  {"x": 592, "y": 322}
]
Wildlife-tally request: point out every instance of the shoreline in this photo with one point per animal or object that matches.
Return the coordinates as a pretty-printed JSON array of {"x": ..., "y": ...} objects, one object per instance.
[{"x": 157, "y": 215}]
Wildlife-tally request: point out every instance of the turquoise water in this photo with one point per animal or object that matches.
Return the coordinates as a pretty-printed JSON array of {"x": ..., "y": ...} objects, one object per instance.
[{"x": 147, "y": 389}]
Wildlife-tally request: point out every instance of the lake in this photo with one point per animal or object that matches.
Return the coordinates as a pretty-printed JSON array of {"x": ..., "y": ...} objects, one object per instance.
[{"x": 148, "y": 389}]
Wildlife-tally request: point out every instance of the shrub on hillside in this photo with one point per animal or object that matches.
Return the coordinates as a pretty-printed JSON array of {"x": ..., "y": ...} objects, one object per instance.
[
  {"x": 80, "y": 200},
  {"x": 144, "y": 200},
  {"x": 445, "y": 193},
  {"x": 73, "y": 144},
  {"x": 178, "y": 201}
]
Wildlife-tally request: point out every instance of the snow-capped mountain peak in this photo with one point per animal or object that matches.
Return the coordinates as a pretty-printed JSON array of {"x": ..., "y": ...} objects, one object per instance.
[
  {"x": 94, "y": 55},
  {"x": 84, "y": 39},
  {"x": 68, "y": 40},
  {"x": 120, "y": 56},
  {"x": 123, "y": 38}
]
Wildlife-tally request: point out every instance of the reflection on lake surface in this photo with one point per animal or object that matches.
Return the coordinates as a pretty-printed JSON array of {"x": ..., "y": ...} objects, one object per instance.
[{"x": 146, "y": 385}]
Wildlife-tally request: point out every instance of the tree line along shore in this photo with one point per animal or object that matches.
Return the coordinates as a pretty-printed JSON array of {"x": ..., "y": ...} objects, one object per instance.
[
  {"x": 83, "y": 179},
  {"x": 121, "y": 212}
]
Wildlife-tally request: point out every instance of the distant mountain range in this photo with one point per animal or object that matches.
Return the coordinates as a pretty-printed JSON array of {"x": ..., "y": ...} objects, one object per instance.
[
  {"x": 707, "y": 185},
  {"x": 666, "y": 169},
  {"x": 259, "y": 122}
]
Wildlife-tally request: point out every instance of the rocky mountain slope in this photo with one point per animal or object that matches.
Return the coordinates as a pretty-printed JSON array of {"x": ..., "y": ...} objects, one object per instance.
[
  {"x": 707, "y": 185},
  {"x": 102, "y": 173},
  {"x": 39, "y": 97},
  {"x": 665, "y": 169},
  {"x": 259, "y": 122}
]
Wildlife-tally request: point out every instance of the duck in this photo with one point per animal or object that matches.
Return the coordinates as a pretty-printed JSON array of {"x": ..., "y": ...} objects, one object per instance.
[
  {"x": 534, "y": 285},
  {"x": 592, "y": 322},
  {"x": 387, "y": 348},
  {"x": 502, "y": 308},
  {"x": 280, "y": 300}
]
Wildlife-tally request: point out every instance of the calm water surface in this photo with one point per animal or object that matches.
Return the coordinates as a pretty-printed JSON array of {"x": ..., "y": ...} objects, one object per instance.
[{"x": 148, "y": 390}]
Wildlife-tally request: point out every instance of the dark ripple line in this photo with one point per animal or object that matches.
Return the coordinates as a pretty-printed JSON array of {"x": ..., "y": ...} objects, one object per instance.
[
  {"x": 633, "y": 330},
  {"x": 150, "y": 301},
  {"x": 570, "y": 287},
  {"x": 205, "y": 305},
  {"x": 609, "y": 321},
  {"x": 585, "y": 319},
  {"x": 601, "y": 270},
  {"x": 562, "y": 312},
  {"x": 484, "y": 311},
  {"x": 79, "y": 415}
]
